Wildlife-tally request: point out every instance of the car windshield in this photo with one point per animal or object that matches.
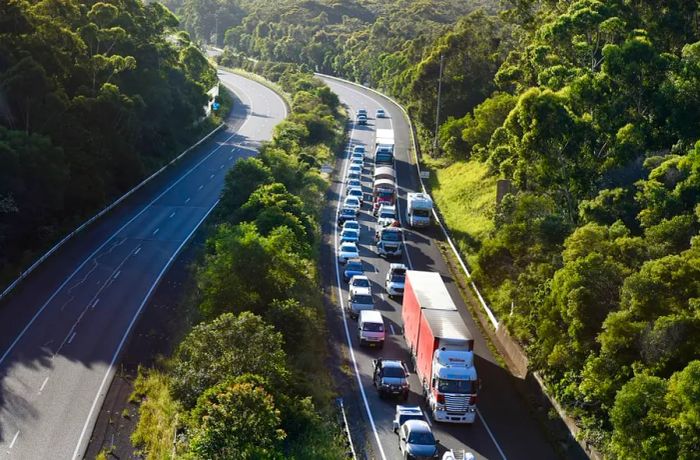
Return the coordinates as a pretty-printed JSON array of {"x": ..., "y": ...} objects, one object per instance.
[
  {"x": 394, "y": 372},
  {"x": 361, "y": 282},
  {"x": 362, "y": 299},
  {"x": 386, "y": 215},
  {"x": 373, "y": 327},
  {"x": 384, "y": 193},
  {"x": 421, "y": 437},
  {"x": 456, "y": 386},
  {"x": 398, "y": 278},
  {"x": 391, "y": 236},
  {"x": 351, "y": 225},
  {"x": 354, "y": 266},
  {"x": 359, "y": 149},
  {"x": 348, "y": 248},
  {"x": 349, "y": 232},
  {"x": 347, "y": 212},
  {"x": 351, "y": 201},
  {"x": 421, "y": 213},
  {"x": 355, "y": 192}
]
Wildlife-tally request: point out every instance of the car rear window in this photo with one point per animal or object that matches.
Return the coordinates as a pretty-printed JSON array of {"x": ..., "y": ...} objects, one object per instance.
[{"x": 362, "y": 299}]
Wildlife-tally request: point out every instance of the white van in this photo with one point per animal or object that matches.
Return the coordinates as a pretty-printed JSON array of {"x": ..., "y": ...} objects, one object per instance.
[{"x": 370, "y": 328}]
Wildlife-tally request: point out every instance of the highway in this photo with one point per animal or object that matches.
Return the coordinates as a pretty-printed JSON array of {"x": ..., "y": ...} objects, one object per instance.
[
  {"x": 63, "y": 328},
  {"x": 504, "y": 428}
]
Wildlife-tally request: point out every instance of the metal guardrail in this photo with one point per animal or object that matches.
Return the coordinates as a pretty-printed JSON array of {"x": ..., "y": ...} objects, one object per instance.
[
  {"x": 104, "y": 211},
  {"x": 438, "y": 219}
]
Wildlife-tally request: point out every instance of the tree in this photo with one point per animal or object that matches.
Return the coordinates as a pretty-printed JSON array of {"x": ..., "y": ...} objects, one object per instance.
[
  {"x": 235, "y": 419},
  {"x": 638, "y": 417},
  {"x": 224, "y": 348},
  {"x": 241, "y": 181},
  {"x": 683, "y": 401}
]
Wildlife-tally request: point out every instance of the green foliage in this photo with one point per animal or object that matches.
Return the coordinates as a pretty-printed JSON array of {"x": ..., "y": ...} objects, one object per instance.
[
  {"x": 94, "y": 97},
  {"x": 226, "y": 347},
  {"x": 235, "y": 419}
]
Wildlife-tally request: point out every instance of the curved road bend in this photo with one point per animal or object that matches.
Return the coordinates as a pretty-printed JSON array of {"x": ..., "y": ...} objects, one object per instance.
[
  {"x": 504, "y": 427},
  {"x": 62, "y": 330}
]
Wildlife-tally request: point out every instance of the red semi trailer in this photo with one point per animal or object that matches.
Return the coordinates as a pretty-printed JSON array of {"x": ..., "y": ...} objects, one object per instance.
[{"x": 441, "y": 346}]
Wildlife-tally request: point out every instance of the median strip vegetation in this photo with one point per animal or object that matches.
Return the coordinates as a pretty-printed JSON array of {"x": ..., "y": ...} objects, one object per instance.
[{"x": 250, "y": 381}]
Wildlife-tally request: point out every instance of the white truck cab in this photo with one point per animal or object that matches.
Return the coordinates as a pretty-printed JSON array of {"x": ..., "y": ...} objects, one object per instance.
[
  {"x": 370, "y": 328},
  {"x": 454, "y": 386},
  {"x": 419, "y": 207}
]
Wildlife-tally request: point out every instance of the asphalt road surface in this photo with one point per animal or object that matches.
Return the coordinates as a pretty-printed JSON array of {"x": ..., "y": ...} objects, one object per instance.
[
  {"x": 504, "y": 428},
  {"x": 62, "y": 330}
]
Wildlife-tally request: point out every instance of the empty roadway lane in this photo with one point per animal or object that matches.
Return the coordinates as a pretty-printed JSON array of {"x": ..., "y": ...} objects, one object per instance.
[{"x": 62, "y": 329}]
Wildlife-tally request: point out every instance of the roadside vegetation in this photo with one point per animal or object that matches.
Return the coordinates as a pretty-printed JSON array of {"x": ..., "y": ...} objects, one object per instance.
[
  {"x": 94, "y": 96},
  {"x": 250, "y": 380},
  {"x": 591, "y": 110}
]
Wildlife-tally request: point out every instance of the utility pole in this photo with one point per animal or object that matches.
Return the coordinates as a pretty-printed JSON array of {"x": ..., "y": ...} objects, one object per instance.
[{"x": 437, "y": 110}]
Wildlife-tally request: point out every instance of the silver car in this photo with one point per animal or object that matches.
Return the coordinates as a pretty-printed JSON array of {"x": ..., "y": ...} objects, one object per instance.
[{"x": 416, "y": 440}]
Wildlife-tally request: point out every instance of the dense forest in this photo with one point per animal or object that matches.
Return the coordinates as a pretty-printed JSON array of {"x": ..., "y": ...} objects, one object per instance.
[
  {"x": 93, "y": 96},
  {"x": 592, "y": 110},
  {"x": 249, "y": 381}
]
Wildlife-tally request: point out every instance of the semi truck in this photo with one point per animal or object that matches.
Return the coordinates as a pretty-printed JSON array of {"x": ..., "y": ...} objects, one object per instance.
[
  {"x": 384, "y": 147},
  {"x": 419, "y": 207},
  {"x": 441, "y": 346}
]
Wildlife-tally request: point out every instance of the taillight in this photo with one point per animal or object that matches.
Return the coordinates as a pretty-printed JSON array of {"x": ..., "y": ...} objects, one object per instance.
[
  {"x": 472, "y": 400},
  {"x": 440, "y": 398}
]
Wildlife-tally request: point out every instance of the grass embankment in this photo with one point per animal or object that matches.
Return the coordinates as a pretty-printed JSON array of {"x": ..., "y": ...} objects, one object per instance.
[{"x": 465, "y": 194}]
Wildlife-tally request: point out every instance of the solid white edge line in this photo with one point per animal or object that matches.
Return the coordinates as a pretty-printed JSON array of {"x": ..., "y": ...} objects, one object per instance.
[
  {"x": 111, "y": 237},
  {"x": 14, "y": 440},
  {"x": 483, "y": 420},
  {"x": 342, "y": 309},
  {"x": 110, "y": 371},
  {"x": 488, "y": 430}
]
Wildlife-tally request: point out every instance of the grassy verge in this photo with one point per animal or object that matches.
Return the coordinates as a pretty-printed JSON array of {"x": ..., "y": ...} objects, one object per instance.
[
  {"x": 158, "y": 414},
  {"x": 465, "y": 193}
]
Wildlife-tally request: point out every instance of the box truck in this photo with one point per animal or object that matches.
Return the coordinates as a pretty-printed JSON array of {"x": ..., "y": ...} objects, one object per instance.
[{"x": 441, "y": 346}]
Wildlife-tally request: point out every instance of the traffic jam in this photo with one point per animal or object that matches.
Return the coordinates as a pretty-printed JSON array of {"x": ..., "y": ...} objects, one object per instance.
[{"x": 440, "y": 344}]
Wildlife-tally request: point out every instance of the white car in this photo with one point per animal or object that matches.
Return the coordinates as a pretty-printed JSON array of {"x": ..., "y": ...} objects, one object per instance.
[
  {"x": 406, "y": 413},
  {"x": 357, "y": 156},
  {"x": 395, "y": 280},
  {"x": 350, "y": 235},
  {"x": 347, "y": 251},
  {"x": 351, "y": 224},
  {"x": 355, "y": 168},
  {"x": 386, "y": 215},
  {"x": 357, "y": 162},
  {"x": 356, "y": 192},
  {"x": 352, "y": 202},
  {"x": 354, "y": 183},
  {"x": 381, "y": 113},
  {"x": 353, "y": 175},
  {"x": 359, "y": 282}
]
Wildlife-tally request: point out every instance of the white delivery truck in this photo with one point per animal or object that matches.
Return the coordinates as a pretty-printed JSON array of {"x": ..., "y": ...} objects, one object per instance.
[
  {"x": 384, "y": 147},
  {"x": 419, "y": 207}
]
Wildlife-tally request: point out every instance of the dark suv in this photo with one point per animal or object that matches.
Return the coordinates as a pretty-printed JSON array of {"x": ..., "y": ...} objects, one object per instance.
[{"x": 390, "y": 378}]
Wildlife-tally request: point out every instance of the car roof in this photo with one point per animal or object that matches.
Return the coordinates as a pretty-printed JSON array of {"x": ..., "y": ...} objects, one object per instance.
[
  {"x": 348, "y": 243},
  {"x": 351, "y": 230},
  {"x": 418, "y": 426},
  {"x": 351, "y": 221},
  {"x": 359, "y": 277},
  {"x": 409, "y": 409},
  {"x": 362, "y": 291},
  {"x": 355, "y": 261}
]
